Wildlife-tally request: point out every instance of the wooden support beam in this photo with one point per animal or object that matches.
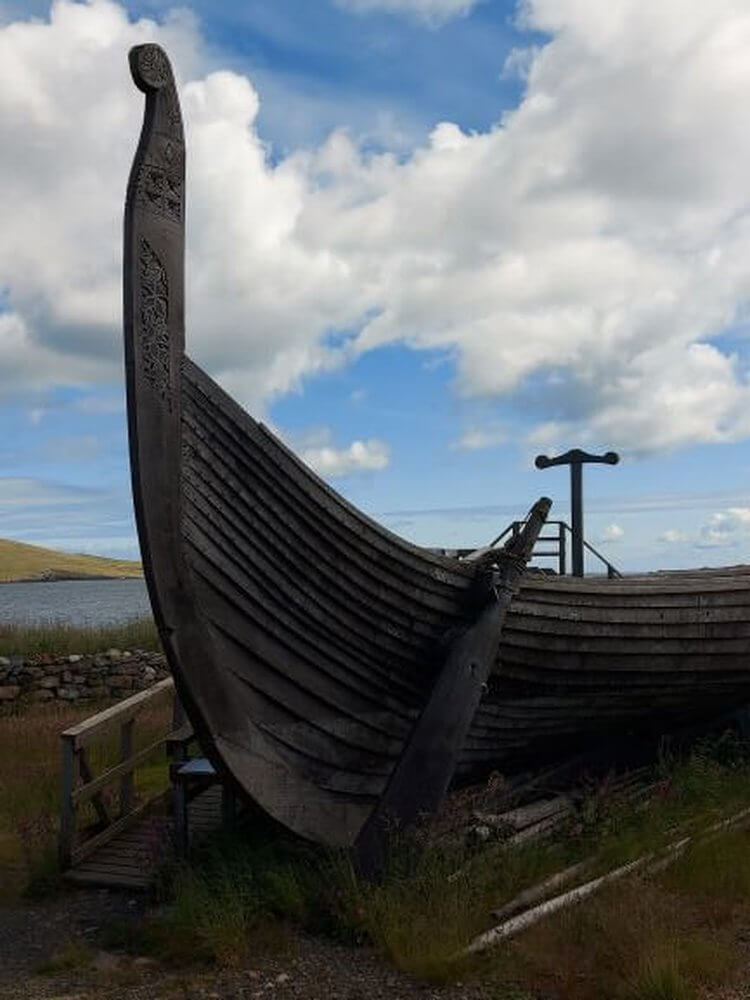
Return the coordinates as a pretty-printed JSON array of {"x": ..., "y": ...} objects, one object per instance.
[
  {"x": 126, "y": 780},
  {"x": 67, "y": 810},
  {"x": 87, "y": 777},
  {"x": 421, "y": 777},
  {"x": 94, "y": 786}
]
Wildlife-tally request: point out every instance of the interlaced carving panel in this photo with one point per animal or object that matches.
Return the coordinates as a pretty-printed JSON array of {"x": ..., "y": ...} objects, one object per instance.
[
  {"x": 154, "y": 331},
  {"x": 160, "y": 187}
]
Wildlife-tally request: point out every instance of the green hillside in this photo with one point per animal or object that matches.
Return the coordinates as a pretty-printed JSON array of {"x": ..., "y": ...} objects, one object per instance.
[{"x": 19, "y": 561}]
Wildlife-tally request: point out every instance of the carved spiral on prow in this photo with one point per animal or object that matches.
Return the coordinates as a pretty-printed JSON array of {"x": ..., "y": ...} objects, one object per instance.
[{"x": 150, "y": 67}]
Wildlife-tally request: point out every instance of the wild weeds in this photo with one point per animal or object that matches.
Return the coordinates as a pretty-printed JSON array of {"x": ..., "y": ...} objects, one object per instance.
[
  {"x": 61, "y": 639},
  {"x": 657, "y": 937}
]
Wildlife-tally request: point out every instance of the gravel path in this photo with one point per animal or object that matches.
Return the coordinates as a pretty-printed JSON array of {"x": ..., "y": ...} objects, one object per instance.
[{"x": 310, "y": 969}]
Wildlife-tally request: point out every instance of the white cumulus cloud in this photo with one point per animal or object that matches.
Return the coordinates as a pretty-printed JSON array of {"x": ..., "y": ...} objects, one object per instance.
[
  {"x": 672, "y": 537},
  {"x": 725, "y": 528},
  {"x": 479, "y": 438},
  {"x": 612, "y": 533},
  {"x": 584, "y": 255},
  {"x": 359, "y": 456}
]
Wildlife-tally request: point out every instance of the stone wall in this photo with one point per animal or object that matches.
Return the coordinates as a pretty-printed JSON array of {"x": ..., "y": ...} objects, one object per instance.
[{"x": 79, "y": 677}]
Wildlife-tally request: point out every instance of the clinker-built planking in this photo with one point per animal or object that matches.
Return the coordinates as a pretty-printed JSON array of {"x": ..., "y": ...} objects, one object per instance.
[{"x": 320, "y": 658}]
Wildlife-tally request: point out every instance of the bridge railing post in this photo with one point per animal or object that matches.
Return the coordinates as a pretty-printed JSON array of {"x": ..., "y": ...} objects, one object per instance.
[
  {"x": 126, "y": 752},
  {"x": 67, "y": 807}
]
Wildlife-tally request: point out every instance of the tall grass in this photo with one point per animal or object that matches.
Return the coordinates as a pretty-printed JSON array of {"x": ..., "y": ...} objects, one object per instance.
[
  {"x": 659, "y": 937},
  {"x": 648, "y": 938},
  {"x": 60, "y": 639}
]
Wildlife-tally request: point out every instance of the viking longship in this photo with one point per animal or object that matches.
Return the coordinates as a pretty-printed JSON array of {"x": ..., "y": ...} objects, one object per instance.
[{"x": 337, "y": 674}]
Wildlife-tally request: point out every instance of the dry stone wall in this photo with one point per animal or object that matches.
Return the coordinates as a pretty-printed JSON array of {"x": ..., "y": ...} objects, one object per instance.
[{"x": 79, "y": 677}]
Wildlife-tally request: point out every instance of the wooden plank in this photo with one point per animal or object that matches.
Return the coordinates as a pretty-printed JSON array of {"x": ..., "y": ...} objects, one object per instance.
[
  {"x": 587, "y": 665},
  {"x": 345, "y": 616},
  {"x": 113, "y": 866},
  {"x": 67, "y": 806},
  {"x": 84, "y": 732},
  {"x": 526, "y": 608},
  {"x": 276, "y": 640},
  {"x": 101, "y": 809},
  {"x": 82, "y": 877},
  {"x": 632, "y": 647},
  {"x": 247, "y": 493},
  {"x": 130, "y": 857},
  {"x": 85, "y": 792},
  {"x": 312, "y": 493},
  {"x": 282, "y": 493},
  {"x": 87, "y": 848},
  {"x": 126, "y": 779}
]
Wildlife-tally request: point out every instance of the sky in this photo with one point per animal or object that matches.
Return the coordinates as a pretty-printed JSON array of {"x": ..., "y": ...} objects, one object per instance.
[{"x": 427, "y": 240}]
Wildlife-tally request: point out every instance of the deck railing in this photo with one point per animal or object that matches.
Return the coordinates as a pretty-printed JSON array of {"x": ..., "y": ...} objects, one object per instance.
[
  {"x": 559, "y": 539},
  {"x": 80, "y": 786},
  {"x": 560, "y": 553}
]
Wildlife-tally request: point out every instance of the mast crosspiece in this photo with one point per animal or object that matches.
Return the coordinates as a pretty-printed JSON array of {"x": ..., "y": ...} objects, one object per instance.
[{"x": 576, "y": 459}]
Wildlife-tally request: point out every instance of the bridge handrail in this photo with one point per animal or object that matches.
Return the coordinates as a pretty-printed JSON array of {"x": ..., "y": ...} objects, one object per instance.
[{"x": 79, "y": 785}]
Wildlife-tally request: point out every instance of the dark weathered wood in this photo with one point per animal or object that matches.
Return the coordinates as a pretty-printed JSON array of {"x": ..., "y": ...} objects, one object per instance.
[
  {"x": 93, "y": 786},
  {"x": 426, "y": 767},
  {"x": 66, "y": 835},
  {"x": 224, "y": 446},
  {"x": 93, "y": 728},
  {"x": 126, "y": 779},
  {"x": 303, "y": 637},
  {"x": 96, "y": 798},
  {"x": 576, "y": 458},
  {"x": 153, "y": 289},
  {"x": 88, "y": 846},
  {"x": 131, "y": 858}
]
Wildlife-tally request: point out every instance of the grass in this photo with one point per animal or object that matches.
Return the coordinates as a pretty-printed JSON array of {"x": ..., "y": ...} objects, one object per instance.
[
  {"x": 60, "y": 639},
  {"x": 662, "y": 937},
  {"x": 666, "y": 936},
  {"x": 20, "y": 561},
  {"x": 30, "y": 785},
  {"x": 72, "y": 956}
]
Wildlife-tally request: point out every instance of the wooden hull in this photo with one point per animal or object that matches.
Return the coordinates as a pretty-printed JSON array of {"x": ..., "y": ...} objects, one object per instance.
[
  {"x": 310, "y": 646},
  {"x": 597, "y": 657}
]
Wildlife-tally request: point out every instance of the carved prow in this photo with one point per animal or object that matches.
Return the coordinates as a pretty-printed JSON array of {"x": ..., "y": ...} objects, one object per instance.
[
  {"x": 154, "y": 255},
  {"x": 154, "y": 315}
]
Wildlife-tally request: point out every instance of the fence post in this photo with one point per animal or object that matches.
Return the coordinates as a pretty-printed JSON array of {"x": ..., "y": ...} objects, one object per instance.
[
  {"x": 561, "y": 548},
  {"x": 67, "y": 812},
  {"x": 126, "y": 751}
]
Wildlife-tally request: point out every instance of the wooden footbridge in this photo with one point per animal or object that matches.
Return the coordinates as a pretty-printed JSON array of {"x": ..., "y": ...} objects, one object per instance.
[{"x": 133, "y": 796}]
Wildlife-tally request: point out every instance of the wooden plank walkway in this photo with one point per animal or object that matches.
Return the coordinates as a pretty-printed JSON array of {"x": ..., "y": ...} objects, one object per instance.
[{"x": 132, "y": 859}]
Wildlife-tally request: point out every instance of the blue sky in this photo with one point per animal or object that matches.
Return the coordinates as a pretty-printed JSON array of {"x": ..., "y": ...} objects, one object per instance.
[{"x": 427, "y": 240}]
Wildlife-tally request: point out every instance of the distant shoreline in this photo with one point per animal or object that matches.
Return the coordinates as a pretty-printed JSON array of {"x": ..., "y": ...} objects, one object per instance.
[{"x": 60, "y": 576}]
